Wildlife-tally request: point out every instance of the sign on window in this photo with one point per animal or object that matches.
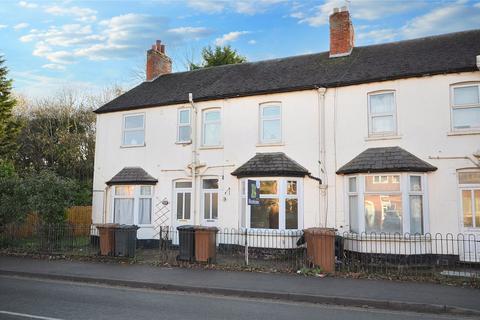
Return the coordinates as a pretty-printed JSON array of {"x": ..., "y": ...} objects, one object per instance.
[{"x": 253, "y": 192}]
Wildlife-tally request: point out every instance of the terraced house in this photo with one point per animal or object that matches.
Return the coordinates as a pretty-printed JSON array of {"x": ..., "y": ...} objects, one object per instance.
[{"x": 382, "y": 138}]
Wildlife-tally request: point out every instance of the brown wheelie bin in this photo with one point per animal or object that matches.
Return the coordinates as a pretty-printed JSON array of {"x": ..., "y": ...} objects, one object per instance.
[
  {"x": 321, "y": 248},
  {"x": 205, "y": 244},
  {"x": 107, "y": 238}
]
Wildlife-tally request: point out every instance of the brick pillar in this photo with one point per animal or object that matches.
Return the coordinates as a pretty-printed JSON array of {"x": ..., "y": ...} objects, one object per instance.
[
  {"x": 158, "y": 63},
  {"x": 341, "y": 33}
]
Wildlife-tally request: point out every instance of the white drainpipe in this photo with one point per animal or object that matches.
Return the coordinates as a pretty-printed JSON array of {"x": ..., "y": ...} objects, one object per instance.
[
  {"x": 196, "y": 219},
  {"x": 322, "y": 171}
]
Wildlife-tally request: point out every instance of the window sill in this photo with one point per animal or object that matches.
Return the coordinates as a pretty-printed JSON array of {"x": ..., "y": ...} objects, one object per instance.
[
  {"x": 184, "y": 143},
  {"x": 391, "y": 137},
  {"x": 463, "y": 133},
  {"x": 273, "y": 144},
  {"x": 132, "y": 146},
  {"x": 382, "y": 237},
  {"x": 210, "y": 147},
  {"x": 151, "y": 226}
]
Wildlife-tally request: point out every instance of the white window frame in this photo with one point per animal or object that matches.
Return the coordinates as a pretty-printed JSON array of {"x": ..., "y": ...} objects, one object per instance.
[
  {"x": 182, "y": 190},
  {"x": 262, "y": 119},
  {"x": 349, "y": 195},
  {"x": 180, "y": 125},
  {"x": 405, "y": 196},
  {"x": 124, "y": 130},
  {"x": 210, "y": 192},
  {"x": 371, "y": 115},
  {"x": 454, "y": 107},
  {"x": 467, "y": 187},
  {"x": 204, "y": 123},
  {"x": 136, "y": 202},
  {"x": 281, "y": 195}
]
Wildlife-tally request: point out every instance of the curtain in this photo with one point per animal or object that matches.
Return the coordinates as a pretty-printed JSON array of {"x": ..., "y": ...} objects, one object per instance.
[
  {"x": 144, "y": 211},
  {"x": 123, "y": 211}
]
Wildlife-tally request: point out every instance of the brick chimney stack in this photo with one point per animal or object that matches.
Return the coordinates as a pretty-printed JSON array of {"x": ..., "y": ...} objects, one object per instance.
[
  {"x": 341, "y": 33},
  {"x": 158, "y": 62}
]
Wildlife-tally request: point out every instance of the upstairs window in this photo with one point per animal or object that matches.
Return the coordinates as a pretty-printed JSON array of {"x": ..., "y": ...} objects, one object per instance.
[
  {"x": 466, "y": 107},
  {"x": 133, "y": 130},
  {"x": 184, "y": 130},
  {"x": 212, "y": 128},
  {"x": 270, "y": 123},
  {"x": 382, "y": 114}
]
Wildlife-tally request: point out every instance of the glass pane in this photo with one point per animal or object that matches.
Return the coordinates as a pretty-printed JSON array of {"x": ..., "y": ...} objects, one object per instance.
[
  {"x": 214, "y": 205},
  {"x": 144, "y": 211},
  {"x": 416, "y": 214},
  {"x": 123, "y": 211},
  {"x": 188, "y": 203},
  {"x": 210, "y": 184},
  {"x": 124, "y": 190},
  {"x": 465, "y": 95},
  {"x": 268, "y": 187},
  {"x": 145, "y": 190},
  {"x": 381, "y": 103},
  {"x": 212, "y": 115},
  {"x": 183, "y": 184},
  {"x": 184, "y": 116},
  {"x": 382, "y": 124},
  {"x": 243, "y": 211},
  {"x": 466, "y": 118},
  {"x": 470, "y": 177},
  {"x": 211, "y": 136},
  {"x": 265, "y": 215},
  {"x": 291, "y": 213},
  {"x": 133, "y": 122},
  {"x": 383, "y": 213},
  {"x": 352, "y": 184},
  {"x": 353, "y": 213},
  {"x": 477, "y": 208},
  {"x": 415, "y": 183},
  {"x": 271, "y": 130},
  {"x": 206, "y": 206},
  {"x": 179, "y": 205},
  {"x": 184, "y": 133},
  {"x": 383, "y": 183},
  {"x": 270, "y": 111},
  {"x": 467, "y": 208},
  {"x": 136, "y": 137},
  {"x": 292, "y": 187}
]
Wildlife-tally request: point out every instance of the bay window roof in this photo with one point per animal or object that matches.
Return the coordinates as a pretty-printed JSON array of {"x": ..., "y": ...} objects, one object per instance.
[
  {"x": 272, "y": 164},
  {"x": 385, "y": 159},
  {"x": 132, "y": 175}
]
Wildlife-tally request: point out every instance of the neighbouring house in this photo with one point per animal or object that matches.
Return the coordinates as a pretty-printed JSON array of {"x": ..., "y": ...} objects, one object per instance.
[{"x": 382, "y": 138}]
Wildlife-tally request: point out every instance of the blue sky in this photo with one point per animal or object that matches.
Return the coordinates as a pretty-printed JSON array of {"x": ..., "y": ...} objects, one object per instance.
[{"x": 90, "y": 45}]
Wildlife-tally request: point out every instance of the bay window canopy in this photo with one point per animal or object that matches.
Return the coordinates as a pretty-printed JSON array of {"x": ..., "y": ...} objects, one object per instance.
[
  {"x": 385, "y": 159},
  {"x": 271, "y": 164},
  {"x": 131, "y": 176}
]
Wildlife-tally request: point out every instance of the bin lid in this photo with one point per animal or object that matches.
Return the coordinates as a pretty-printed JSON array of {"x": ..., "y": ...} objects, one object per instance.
[
  {"x": 107, "y": 225},
  {"x": 186, "y": 227},
  {"x": 320, "y": 230},
  {"x": 206, "y": 228},
  {"x": 127, "y": 226}
]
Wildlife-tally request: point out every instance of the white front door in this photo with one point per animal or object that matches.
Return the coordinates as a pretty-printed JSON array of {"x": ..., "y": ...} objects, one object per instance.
[
  {"x": 469, "y": 241},
  {"x": 182, "y": 203},
  {"x": 210, "y": 202}
]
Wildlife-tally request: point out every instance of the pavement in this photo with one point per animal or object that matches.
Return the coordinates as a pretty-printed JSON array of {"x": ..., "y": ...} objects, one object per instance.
[{"x": 381, "y": 294}]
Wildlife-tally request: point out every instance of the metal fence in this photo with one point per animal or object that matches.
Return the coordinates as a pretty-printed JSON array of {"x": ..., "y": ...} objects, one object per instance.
[{"x": 392, "y": 255}]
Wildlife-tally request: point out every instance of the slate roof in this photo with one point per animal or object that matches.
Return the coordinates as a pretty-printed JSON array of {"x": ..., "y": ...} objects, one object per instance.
[
  {"x": 386, "y": 159},
  {"x": 272, "y": 164},
  {"x": 132, "y": 175},
  {"x": 449, "y": 53}
]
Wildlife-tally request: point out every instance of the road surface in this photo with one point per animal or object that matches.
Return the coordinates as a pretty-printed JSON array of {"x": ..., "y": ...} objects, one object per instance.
[{"x": 24, "y": 298}]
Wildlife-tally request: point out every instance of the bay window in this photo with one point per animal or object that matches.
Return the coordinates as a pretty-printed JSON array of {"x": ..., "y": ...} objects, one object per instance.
[
  {"x": 132, "y": 204},
  {"x": 270, "y": 123},
  {"x": 133, "y": 133},
  {"x": 382, "y": 114},
  {"x": 465, "y": 102},
  {"x": 280, "y": 205},
  {"x": 211, "y": 127},
  {"x": 386, "y": 203},
  {"x": 469, "y": 184}
]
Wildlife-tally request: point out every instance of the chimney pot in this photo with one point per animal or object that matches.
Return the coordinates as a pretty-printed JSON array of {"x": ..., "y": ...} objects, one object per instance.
[
  {"x": 157, "y": 62},
  {"x": 341, "y": 33}
]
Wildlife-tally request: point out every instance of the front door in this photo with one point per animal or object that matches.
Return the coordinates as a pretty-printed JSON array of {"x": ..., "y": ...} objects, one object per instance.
[
  {"x": 469, "y": 184},
  {"x": 210, "y": 202}
]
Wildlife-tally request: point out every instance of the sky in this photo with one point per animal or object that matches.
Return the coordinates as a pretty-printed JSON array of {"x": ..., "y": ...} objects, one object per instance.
[{"x": 91, "y": 45}]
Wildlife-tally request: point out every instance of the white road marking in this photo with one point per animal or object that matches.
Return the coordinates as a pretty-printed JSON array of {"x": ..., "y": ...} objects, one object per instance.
[{"x": 31, "y": 316}]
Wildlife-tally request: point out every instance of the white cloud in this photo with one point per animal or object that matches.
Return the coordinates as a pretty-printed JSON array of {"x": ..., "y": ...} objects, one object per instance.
[
  {"x": 249, "y": 7},
  {"x": 54, "y": 66},
  {"x": 80, "y": 14},
  {"x": 377, "y": 35},
  {"x": 22, "y": 25},
  {"x": 190, "y": 32},
  {"x": 3, "y": 26},
  {"x": 229, "y": 37},
  {"x": 209, "y": 6},
  {"x": 477, "y": 5},
  {"x": 252, "y": 42},
  {"x": 252, "y": 7},
  {"x": 29, "y": 5}
]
